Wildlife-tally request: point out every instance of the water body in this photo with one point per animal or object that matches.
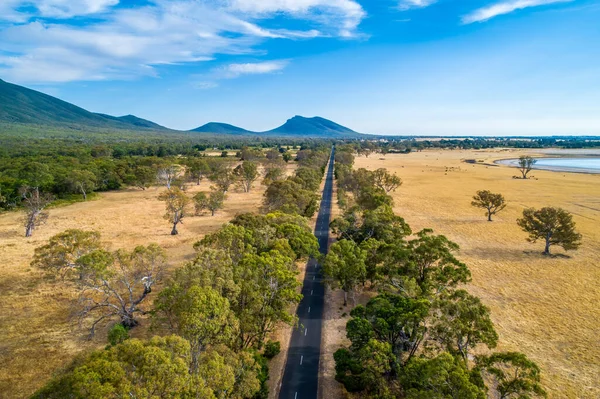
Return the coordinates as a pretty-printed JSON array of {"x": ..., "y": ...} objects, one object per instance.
[{"x": 580, "y": 165}]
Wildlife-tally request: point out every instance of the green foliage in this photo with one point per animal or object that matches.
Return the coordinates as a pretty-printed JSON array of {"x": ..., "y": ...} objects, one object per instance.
[
  {"x": 442, "y": 377},
  {"x": 176, "y": 202},
  {"x": 462, "y": 322},
  {"x": 553, "y": 225},
  {"x": 61, "y": 256},
  {"x": 513, "y": 375},
  {"x": 117, "y": 334},
  {"x": 247, "y": 173},
  {"x": 272, "y": 349},
  {"x": 345, "y": 266},
  {"x": 492, "y": 203}
]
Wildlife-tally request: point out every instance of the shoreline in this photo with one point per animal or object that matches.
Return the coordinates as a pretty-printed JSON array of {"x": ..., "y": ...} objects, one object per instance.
[{"x": 512, "y": 163}]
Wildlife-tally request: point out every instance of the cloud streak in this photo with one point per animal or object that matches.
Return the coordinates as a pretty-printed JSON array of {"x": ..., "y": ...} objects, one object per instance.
[
  {"x": 506, "y": 7},
  {"x": 409, "y": 4},
  {"x": 125, "y": 42}
]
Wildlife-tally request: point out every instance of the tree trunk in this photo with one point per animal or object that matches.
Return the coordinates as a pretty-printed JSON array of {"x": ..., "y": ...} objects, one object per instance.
[
  {"x": 345, "y": 298},
  {"x": 547, "y": 250},
  {"x": 174, "y": 232},
  {"x": 489, "y": 216},
  {"x": 84, "y": 195},
  {"x": 213, "y": 212},
  {"x": 29, "y": 229}
]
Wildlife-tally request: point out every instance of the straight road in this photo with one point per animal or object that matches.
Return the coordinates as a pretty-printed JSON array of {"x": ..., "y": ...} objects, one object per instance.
[{"x": 301, "y": 375}]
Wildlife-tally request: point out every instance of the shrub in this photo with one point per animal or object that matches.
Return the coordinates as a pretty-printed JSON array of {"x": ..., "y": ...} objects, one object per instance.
[{"x": 272, "y": 349}]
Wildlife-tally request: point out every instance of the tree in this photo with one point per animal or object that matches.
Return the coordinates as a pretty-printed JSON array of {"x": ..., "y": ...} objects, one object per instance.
[
  {"x": 462, "y": 322},
  {"x": 62, "y": 253},
  {"x": 273, "y": 174},
  {"x": 442, "y": 377},
  {"x": 200, "y": 202},
  {"x": 247, "y": 172},
  {"x": 216, "y": 199},
  {"x": 393, "y": 319},
  {"x": 159, "y": 368},
  {"x": 199, "y": 314},
  {"x": 167, "y": 174},
  {"x": 196, "y": 169},
  {"x": 386, "y": 181},
  {"x": 223, "y": 177},
  {"x": 82, "y": 181},
  {"x": 513, "y": 375},
  {"x": 553, "y": 225},
  {"x": 430, "y": 261},
  {"x": 345, "y": 267},
  {"x": 34, "y": 202},
  {"x": 288, "y": 196},
  {"x": 526, "y": 164},
  {"x": 115, "y": 285},
  {"x": 176, "y": 203},
  {"x": 287, "y": 157},
  {"x": 143, "y": 177},
  {"x": 492, "y": 203}
]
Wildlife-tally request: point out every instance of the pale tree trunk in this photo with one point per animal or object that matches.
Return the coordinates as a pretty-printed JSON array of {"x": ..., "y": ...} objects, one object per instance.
[{"x": 345, "y": 298}]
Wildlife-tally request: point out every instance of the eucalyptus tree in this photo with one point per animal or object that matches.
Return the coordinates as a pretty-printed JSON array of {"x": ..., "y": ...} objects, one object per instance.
[{"x": 554, "y": 226}]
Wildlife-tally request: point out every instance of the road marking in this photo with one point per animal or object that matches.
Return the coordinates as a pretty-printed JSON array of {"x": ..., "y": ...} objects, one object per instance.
[
  {"x": 313, "y": 278},
  {"x": 301, "y": 359},
  {"x": 296, "y": 395},
  {"x": 309, "y": 309},
  {"x": 311, "y": 292},
  {"x": 305, "y": 331}
]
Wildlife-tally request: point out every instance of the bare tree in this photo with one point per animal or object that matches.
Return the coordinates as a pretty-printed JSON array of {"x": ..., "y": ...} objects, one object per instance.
[
  {"x": 492, "y": 203},
  {"x": 34, "y": 202},
  {"x": 526, "y": 164},
  {"x": 116, "y": 284},
  {"x": 167, "y": 174}
]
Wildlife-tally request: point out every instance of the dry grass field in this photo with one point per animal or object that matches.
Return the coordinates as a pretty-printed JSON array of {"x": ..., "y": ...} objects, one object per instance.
[
  {"x": 548, "y": 308},
  {"x": 36, "y": 337}
]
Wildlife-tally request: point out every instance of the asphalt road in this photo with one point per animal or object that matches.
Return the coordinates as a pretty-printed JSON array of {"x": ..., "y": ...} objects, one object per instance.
[{"x": 301, "y": 375}]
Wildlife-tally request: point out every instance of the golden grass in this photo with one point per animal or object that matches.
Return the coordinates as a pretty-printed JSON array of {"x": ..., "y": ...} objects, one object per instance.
[
  {"x": 36, "y": 337},
  {"x": 548, "y": 308}
]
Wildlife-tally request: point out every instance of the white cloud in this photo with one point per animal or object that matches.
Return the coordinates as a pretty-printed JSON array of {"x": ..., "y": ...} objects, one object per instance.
[
  {"x": 506, "y": 7},
  {"x": 236, "y": 70},
  {"x": 408, "y": 4},
  {"x": 125, "y": 42}
]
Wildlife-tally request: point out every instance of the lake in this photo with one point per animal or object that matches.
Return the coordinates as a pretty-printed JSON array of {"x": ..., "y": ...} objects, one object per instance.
[{"x": 586, "y": 165}]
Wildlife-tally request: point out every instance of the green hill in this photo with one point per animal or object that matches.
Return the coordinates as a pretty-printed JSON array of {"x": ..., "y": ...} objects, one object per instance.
[
  {"x": 222, "y": 128},
  {"x": 19, "y": 104},
  {"x": 315, "y": 127}
]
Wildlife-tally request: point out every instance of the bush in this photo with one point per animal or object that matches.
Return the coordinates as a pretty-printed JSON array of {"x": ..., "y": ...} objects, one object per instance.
[
  {"x": 117, "y": 334},
  {"x": 272, "y": 349}
]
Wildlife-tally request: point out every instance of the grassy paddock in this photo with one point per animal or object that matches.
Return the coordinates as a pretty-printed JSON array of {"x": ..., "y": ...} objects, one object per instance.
[
  {"x": 544, "y": 307},
  {"x": 36, "y": 337}
]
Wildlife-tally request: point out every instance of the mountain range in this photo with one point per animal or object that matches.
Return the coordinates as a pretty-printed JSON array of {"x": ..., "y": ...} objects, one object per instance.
[{"x": 19, "y": 104}]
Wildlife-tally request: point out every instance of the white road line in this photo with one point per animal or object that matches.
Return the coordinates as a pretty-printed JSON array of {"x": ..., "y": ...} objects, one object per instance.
[
  {"x": 313, "y": 278},
  {"x": 305, "y": 331},
  {"x": 311, "y": 292},
  {"x": 301, "y": 360},
  {"x": 309, "y": 309},
  {"x": 296, "y": 395}
]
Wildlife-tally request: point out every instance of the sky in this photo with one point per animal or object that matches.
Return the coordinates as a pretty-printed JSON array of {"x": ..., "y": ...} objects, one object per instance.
[{"x": 402, "y": 67}]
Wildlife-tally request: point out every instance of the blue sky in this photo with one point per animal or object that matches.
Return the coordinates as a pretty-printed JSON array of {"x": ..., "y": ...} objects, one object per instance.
[{"x": 425, "y": 67}]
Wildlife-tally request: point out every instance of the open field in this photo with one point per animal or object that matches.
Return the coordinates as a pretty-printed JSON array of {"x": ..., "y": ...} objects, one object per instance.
[
  {"x": 547, "y": 308},
  {"x": 36, "y": 337}
]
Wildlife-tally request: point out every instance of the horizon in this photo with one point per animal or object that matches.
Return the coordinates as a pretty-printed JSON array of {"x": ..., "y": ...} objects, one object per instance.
[{"x": 416, "y": 68}]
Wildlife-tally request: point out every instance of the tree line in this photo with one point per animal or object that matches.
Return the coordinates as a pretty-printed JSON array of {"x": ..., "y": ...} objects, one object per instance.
[
  {"x": 214, "y": 314},
  {"x": 422, "y": 335}
]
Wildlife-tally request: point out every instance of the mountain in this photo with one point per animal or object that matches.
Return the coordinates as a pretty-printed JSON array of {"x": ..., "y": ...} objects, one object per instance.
[
  {"x": 19, "y": 104},
  {"x": 222, "y": 128},
  {"x": 313, "y": 127},
  {"x": 298, "y": 126}
]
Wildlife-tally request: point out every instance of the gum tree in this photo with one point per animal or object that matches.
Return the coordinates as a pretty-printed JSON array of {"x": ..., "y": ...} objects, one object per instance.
[
  {"x": 553, "y": 225},
  {"x": 492, "y": 203}
]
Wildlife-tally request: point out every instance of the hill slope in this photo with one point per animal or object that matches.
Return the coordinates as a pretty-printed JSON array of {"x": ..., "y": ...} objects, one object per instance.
[
  {"x": 298, "y": 126},
  {"x": 221, "y": 128},
  {"x": 315, "y": 127},
  {"x": 19, "y": 104}
]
